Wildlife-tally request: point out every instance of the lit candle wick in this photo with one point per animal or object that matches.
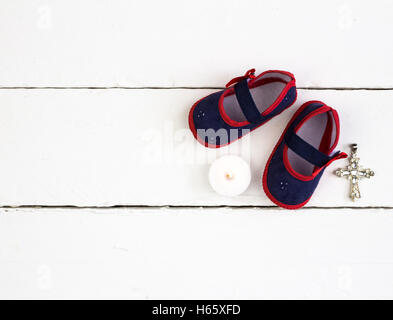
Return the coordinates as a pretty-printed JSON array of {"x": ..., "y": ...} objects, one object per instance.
[{"x": 229, "y": 176}]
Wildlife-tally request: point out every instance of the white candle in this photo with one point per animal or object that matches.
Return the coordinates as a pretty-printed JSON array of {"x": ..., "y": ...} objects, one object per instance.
[{"x": 229, "y": 175}]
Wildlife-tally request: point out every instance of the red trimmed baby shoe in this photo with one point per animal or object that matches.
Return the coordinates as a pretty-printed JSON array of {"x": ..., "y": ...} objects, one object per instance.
[
  {"x": 302, "y": 154},
  {"x": 247, "y": 102}
]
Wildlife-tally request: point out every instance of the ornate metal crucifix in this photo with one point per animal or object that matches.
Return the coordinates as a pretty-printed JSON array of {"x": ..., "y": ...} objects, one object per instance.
[{"x": 354, "y": 173}]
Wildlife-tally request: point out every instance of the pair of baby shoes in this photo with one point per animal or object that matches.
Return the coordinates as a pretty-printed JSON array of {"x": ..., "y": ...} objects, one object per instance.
[{"x": 304, "y": 150}]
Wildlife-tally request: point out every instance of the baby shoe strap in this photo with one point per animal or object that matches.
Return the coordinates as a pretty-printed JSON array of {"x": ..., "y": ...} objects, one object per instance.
[
  {"x": 306, "y": 150},
  {"x": 246, "y": 102},
  {"x": 250, "y": 74}
]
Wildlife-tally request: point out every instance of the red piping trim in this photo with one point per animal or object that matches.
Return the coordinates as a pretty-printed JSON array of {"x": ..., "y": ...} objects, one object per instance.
[
  {"x": 260, "y": 82},
  {"x": 287, "y": 164},
  {"x": 208, "y": 145},
  {"x": 326, "y": 140},
  {"x": 250, "y": 74},
  {"x": 337, "y": 121},
  {"x": 252, "y": 84},
  {"x": 316, "y": 171},
  {"x": 264, "y": 177}
]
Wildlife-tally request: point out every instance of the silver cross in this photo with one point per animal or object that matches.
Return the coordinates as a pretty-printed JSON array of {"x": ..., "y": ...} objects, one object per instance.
[{"x": 354, "y": 173}]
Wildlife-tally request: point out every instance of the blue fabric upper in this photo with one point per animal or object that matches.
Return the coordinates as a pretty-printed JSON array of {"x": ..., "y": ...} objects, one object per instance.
[
  {"x": 285, "y": 187},
  {"x": 212, "y": 129},
  {"x": 282, "y": 185}
]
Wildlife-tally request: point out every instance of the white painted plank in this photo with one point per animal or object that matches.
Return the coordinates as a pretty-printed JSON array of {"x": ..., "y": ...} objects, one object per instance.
[
  {"x": 209, "y": 254},
  {"x": 197, "y": 43},
  {"x": 133, "y": 147}
]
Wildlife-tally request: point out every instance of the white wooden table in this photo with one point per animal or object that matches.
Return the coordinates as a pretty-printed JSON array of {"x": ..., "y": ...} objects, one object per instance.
[{"x": 104, "y": 191}]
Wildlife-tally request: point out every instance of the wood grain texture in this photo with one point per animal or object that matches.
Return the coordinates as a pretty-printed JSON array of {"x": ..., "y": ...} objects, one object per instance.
[
  {"x": 186, "y": 254},
  {"x": 198, "y": 43},
  {"x": 133, "y": 147}
]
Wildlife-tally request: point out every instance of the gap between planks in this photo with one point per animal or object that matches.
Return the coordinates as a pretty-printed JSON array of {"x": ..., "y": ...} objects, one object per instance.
[
  {"x": 182, "y": 207},
  {"x": 186, "y": 88}
]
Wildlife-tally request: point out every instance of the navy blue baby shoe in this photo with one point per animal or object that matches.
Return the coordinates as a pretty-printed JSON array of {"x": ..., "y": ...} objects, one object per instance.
[
  {"x": 302, "y": 154},
  {"x": 247, "y": 102}
]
